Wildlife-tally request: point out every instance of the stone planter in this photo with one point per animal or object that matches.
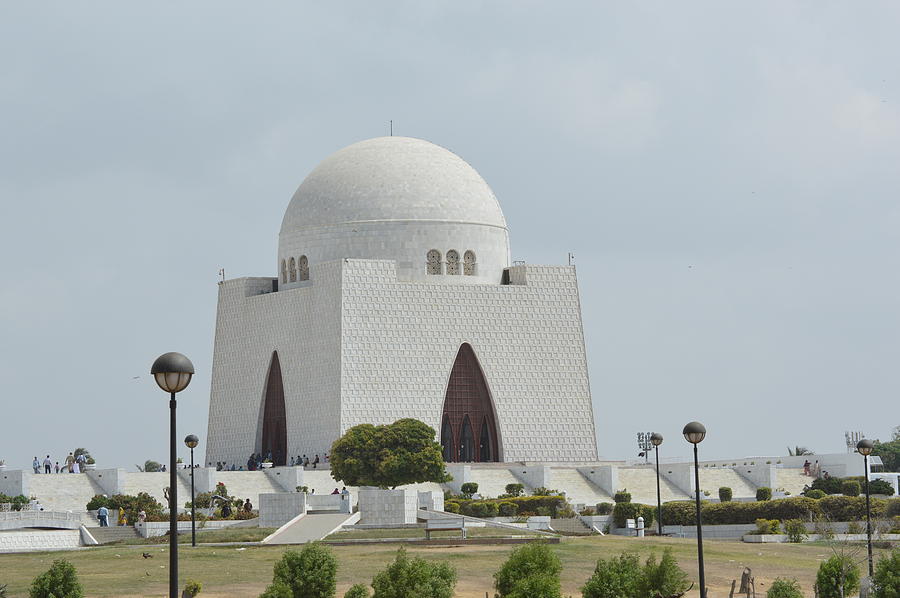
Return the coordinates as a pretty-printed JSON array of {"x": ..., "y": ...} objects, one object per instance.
[
  {"x": 90, "y": 466},
  {"x": 266, "y": 465}
]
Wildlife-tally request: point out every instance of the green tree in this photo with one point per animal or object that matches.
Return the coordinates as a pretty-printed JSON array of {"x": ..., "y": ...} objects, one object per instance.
[
  {"x": 666, "y": 578},
  {"x": 60, "y": 581},
  {"x": 414, "y": 578},
  {"x": 309, "y": 573},
  {"x": 886, "y": 580},
  {"x": 150, "y": 466},
  {"x": 388, "y": 456},
  {"x": 531, "y": 568},
  {"x": 468, "y": 489},
  {"x": 837, "y": 577},
  {"x": 889, "y": 451},
  {"x": 798, "y": 451},
  {"x": 784, "y": 588},
  {"x": 515, "y": 489},
  {"x": 357, "y": 591},
  {"x": 614, "y": 578}
]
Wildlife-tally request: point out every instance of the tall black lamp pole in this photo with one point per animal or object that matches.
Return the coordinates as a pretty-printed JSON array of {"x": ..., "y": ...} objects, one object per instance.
[
  {"x": 864, "y": 447},
  {"x": 656, "y": 438},
  {"x": 694, "y": 433},
  {"x": 191, "y": 442},
  {"x": 172, "y": 372}
]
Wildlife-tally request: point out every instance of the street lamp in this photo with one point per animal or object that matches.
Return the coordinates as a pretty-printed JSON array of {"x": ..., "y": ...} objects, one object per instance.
[
  {"x": 191, "y": 442},
  {"x": 657, "y": 439},
  {"x": 864, "y": 447},
  {"x": 172, "y": 372},
  {"x": 694, "y": 433}
]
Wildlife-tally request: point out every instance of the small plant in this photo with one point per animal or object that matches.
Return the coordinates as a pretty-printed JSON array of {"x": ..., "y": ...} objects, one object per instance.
[
  {"x": 508, "y": 509},
  {"x": 303, "y": 489},
  {"x": 850, "y": 488},
  {"x": 886, "y": 580},
  {"x": 763, "y": 493},
  {"x": 515, "y": 490},
  {"x": 60, "y": 581},
  {"x": 414, "y": 577},
  {"x": 795, "y": 530},
  {"x": 542, "y": 491},
  {"x": 468, "y": 489},
  {"x": 605, "y": 508},
  {"x": 814, "y": 493},
  {"x": 784, "y": 588},
  {"x": 614, "y": 578},
  {"x": 531, "y": 571},
  {"x": 725, "y": 494},
  {"x": 837, "y": 577},
  {"x": 665, "y": 579},
  {"x": 706, "y": 493},
  {"x": 767, "y": 526},
  {"x": 357, "y": 591},
  {"x": 310, "y": 572},
  {"x": 192, "y": 588},
  {"x": 622, "y": 496}
]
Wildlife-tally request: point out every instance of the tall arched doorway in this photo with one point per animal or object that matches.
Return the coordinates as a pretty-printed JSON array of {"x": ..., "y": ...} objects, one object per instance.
[
  {"x": 274, "y": 423},
  {"x": 469, "y": 426}
]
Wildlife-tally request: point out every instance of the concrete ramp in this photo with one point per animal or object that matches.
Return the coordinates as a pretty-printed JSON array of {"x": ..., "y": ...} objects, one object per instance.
[{"x": 310, "y": 528}]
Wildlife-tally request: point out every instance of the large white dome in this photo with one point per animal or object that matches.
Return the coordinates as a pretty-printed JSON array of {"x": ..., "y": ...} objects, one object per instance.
[
  {"x": 392, "y": 179},
  {"x": 400, "y": 199}
]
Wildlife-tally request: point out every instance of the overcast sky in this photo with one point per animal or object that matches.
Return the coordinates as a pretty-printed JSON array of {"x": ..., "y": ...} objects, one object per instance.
[{"x": 726, "y": 175}]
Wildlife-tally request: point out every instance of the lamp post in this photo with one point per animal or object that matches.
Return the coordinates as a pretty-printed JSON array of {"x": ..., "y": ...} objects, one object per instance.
[
  {"x": 191, "y": 442},
  {"x": 694, "y": 433},
  {"x": 657, "y": 439},
  {"x": 172, "y": 372},
  {"x": 864, "y": 447}
]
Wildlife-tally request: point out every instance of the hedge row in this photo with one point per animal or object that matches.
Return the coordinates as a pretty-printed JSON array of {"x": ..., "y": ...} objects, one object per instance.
[
  {"x": 833, "y": 508},
  {"x": 523, "y": 505},
  {"x": 632, "y": 510}
]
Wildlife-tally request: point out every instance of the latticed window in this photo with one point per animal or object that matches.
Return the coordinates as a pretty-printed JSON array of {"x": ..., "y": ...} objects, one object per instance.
[
  {"x": 292, "y": 270},
  {"x": 452, "y": 262},
  {"x": 447, "y": 441},
  {"x": 433, "y": 262},
  {"x": 469, "y": 263},
  {"x": 283, "y": 271},
  {"x": 467, "y": 404},
  {"x": 303, "y": 267}
]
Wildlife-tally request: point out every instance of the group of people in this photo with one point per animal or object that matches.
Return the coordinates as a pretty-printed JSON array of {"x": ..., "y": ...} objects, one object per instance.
[
  {"x": 815, "y": 470},
  {"x": 72, "y": 464},
  {"x": 304, "y": 461},
  {"x": 256, "y": 460}
]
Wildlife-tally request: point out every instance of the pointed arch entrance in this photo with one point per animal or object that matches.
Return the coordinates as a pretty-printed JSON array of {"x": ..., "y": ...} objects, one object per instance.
[
  {"x": 469, "y": 425},
  {"x": 274, "y": 420}
]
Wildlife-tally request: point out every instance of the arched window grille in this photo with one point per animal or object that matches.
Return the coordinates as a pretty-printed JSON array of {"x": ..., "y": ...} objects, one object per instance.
[
  {"x": 452, "y": 262},
  {"x": 484, "y": 445},
  {"x": 283, "y": 271},
  {"x": 466, "y": 442},
  {"x": 292, "y": 270},
  {"x": 433, "y": 263},
  {"x": 447, "y": 441},
  {"x": 303, "y": 267},
  {"x": 469, "y": 263}
]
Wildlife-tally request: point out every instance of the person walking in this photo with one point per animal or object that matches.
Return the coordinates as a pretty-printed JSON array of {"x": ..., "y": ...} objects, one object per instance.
[
  {"x": 103, "y": 516},
  {"x": 70, "y": 462},
  {"x": 80, "y": 461},
  {"x": 48, "y": 464},
  {"x": 36, "y": 465}
]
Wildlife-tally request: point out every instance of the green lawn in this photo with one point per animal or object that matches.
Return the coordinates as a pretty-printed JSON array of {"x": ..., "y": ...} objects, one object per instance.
[
  {"x": 471, "y": 532},
  {"x": 238, "y": 534},
  {"x": 237, "y": 572}
]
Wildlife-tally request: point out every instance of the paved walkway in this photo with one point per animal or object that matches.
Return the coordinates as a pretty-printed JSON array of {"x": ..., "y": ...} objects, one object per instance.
[{"x": 309, "y": 528}]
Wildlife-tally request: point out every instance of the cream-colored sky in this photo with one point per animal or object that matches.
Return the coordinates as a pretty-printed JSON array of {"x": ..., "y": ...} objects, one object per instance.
[{"x": 726, "y": 175}]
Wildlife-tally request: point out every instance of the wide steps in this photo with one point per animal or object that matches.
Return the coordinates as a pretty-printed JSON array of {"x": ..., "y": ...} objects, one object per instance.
[
  {"x": 109, "y": 535},
  {"x": 713, "y": 479},
  {"x": 570, "y": 526},
  {"x": 792, "y": 480},
  {"x": 641, "y": 483},
  {"x": 492, "y": 481},
  {"x": 578, "y": 489},
  {"x": 63, "y": 491}
]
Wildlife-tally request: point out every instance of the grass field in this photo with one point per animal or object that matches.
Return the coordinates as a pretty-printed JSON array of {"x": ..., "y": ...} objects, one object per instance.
[{"x": 237, "y": 572}]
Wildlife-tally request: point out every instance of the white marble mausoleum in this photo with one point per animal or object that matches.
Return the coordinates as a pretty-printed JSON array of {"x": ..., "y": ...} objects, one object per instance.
[{"x": 395, "y": 297}]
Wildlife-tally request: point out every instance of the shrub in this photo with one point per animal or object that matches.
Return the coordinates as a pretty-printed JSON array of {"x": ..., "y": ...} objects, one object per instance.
[
  {"x": 886, "y": 581},
  {"x": 468, "y": 489},
  {"x": 814, "y": 493},
  {"x": 414, "y": 577},
  {"x": 515, "y": 489},
  {"x": 531, "y": 571},
  {"x": 310, "y": 573},
  {"x": 855, "y": 527},
  {"x": 614, "y": 578},
  {"x": 98, "y": 501},
  {"x": 542, "y": 491},
  {"x": 508, "y": 509},
  {"x": 881, "y": 487},
  {"x": 850, "y": 508},
  {"x": 60, "y": 581},
  {"x": 784, "y": 588},
  {"x": 795, "y": 530},
  {"x": 628, "y": 510},
  {"x": 480, "y": 509},
  {"x": 725, "y": 494},
  {"x": 357, "y": 591},
  {"x": 132, "y": 505},
  {"x": 666, "y": 578},
  {"x": 837, "y": 577},
  {"x": 763, "y": 493},
  {"x": 827, "y": 485},
  {"x": 192, "y": 588},
  {"x": 527, "y": 505},
  {"x": 622, "y": 496},
  {"x": 767, "y": 526},
  {"x": 451, "y": 507},
  {"x": 17, "y": 502},
  {"x": 850, "y": 488},
  {"x": 605, "y": 508}
]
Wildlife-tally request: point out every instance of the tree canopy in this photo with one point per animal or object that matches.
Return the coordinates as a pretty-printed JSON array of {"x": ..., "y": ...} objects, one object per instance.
[
  {"x": 889, "y": 451},
  {"x": 388, "y": 456}
]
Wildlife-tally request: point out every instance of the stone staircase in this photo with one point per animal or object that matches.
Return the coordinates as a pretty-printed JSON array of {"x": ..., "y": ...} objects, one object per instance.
[
  {"x": 792, "y": 480},
  {"x": 250, "y": 484},
  {"x": 571, "y": 526},
  {"x": 641, "y": 483},
  {"x": 492, "y": 481},
  {"x": 711, "y": 479},
  {"x": 64, "y": 491},
  {"x": 153, "y": 483},
  {"x": 109, "y": 535},
  {"x": 578, "y": 489}
]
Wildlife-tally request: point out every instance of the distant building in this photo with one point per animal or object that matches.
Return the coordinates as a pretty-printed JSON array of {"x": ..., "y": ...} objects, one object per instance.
[{"x": 395, "y": 298}]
